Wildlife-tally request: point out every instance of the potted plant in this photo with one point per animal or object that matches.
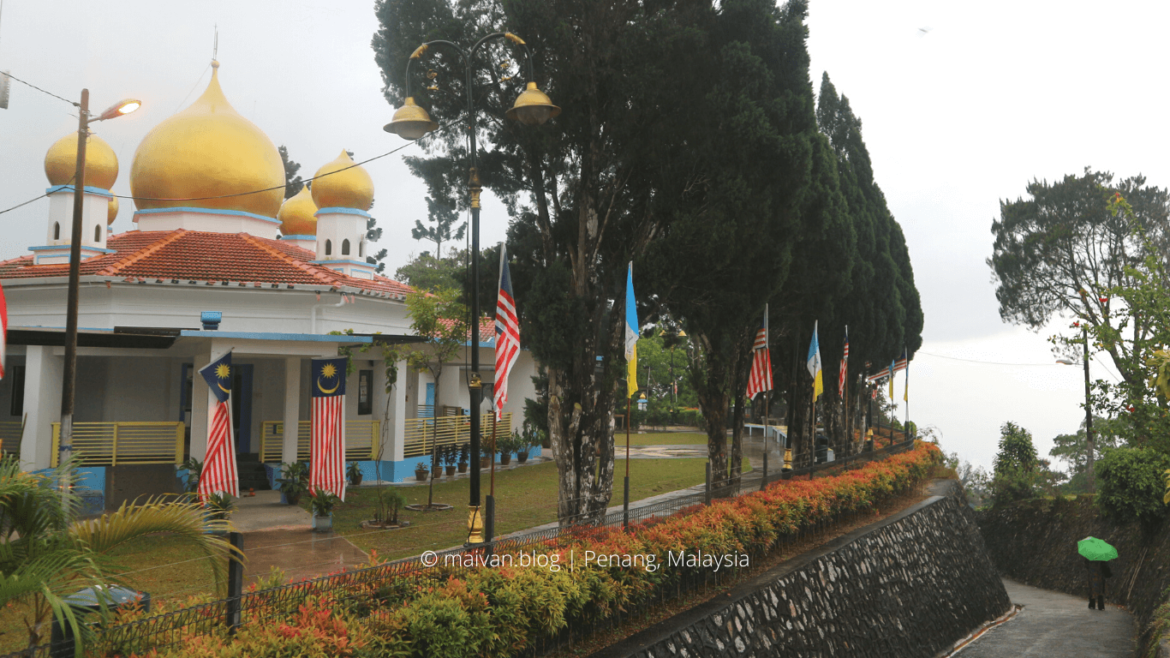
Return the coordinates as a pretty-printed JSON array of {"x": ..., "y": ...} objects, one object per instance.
[
  {"x": 524, "y": 442},
  {"x": 420, "y": 472},
  {"x": 321, "y": 505},
  {"x": 219, "y": 507},
  {"x": 464, "y": 454},
  {"x": 505, "y": 446},
  {"x": 294, "y": 481},
  {"x": 354, "y": 473},
  {"x": 485, "y": 455},
  {"x": 194, "y": 468},
  {"x": 449, "y": 459}
]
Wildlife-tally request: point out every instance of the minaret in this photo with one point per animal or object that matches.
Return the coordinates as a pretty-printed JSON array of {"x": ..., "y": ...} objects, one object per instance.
[
  {"x": 101, "y": 170},
  {"x": 343, "y": 193},
  {"x": 298, "y": 220}
]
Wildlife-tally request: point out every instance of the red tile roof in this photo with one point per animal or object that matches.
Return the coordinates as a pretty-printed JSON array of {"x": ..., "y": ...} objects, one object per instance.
[
  {"x": 206, "y": 257},
  {"x": 487, "y": 328}
]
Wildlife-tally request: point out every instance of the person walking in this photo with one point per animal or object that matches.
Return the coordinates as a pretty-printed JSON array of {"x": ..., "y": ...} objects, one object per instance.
[{"x": 1098, "y": 572}]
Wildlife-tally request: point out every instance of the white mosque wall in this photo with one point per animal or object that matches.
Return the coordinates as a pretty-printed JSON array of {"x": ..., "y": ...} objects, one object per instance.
[
  {"x": 245, "y": 309},
  {"x": 209, "y": 220},
  {"x": 94, "y": 213}
]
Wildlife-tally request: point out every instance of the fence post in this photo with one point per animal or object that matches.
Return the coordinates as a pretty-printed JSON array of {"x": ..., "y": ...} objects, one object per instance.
[
  {"x": 114, "y": 454},
  {"x": 707, "y": 498},
  {"x": 235, "y": 582}
]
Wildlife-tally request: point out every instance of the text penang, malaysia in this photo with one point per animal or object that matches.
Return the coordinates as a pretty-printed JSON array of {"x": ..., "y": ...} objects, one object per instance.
[{"x": 584, "y": 559}]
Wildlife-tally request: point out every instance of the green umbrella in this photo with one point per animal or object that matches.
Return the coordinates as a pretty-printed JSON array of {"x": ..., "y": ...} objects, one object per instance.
[{"x": 1096, "y": 550}]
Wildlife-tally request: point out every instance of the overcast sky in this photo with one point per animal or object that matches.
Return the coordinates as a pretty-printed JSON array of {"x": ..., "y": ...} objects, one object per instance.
[{"x": 962, "y": 104}]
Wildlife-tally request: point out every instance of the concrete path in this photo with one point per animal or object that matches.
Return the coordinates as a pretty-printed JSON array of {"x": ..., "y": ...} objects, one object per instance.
[{"x": 1056, "y": 624}]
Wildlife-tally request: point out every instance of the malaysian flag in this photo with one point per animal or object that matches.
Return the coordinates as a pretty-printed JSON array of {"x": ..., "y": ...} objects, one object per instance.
[
  {"x": 844, "y": 366},
  {"x": 219, "y": 474},
  {"x": 507, "y": 335},
  {"x": 900, "y": 364},
  {"x": 3, "y": 329},
  {"x": 760, "y": 378},
  {"x": 327, "y": 428}
]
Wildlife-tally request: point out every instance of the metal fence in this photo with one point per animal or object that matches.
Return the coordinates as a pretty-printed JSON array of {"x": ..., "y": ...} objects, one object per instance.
[
  {"x": 420, "y": 435},
  {"x": 397, "y": 580},
  {"x": 361, "y": 440},
  {"x": 111, "y": 444}
]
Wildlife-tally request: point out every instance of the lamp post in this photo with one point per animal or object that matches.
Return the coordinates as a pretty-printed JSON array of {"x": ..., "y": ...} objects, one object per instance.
[
  {"x": 1088, "y": 403},
  {"x": 69, "y": 379},
  {"x": 532, "y": 108}
]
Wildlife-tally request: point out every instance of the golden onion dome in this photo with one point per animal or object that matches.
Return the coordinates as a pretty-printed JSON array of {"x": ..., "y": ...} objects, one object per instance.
[
  {"x": 208, "y": 150},
  {"x": 351, "y": 188},
  {"x": 101, "y": 165},
  {"x": 112, "y": 213},
  {"x": 298, "y": 215}
]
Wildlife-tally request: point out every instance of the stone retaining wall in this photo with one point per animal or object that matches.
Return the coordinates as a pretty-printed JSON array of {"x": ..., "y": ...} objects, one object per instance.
[{"x": 911, "y": 585}]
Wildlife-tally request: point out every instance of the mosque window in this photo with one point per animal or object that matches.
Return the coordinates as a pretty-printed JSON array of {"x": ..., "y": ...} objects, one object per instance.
[
  {"x": 56, "y": 230},
  {"x": 328, "y": 248},
  {"x": 345, "y": 247},
  {"x": 97, "y": 233}
]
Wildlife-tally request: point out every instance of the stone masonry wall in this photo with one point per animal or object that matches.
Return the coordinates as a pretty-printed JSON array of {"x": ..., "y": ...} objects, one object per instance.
[{"x": 909, "y": 586}]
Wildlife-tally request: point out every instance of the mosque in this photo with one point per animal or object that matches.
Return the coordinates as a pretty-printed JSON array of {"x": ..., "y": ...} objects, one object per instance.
[{"x": 213, "y": 266}]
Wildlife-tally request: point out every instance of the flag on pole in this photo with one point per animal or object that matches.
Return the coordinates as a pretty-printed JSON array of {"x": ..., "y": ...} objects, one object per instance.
[
  {"x": 507, "y": 335},
  {"x": 814, "y": 365},
  {"x": 327, "y": 429},
  {"x": 906, "y": 391},
  {"x": 631, "y": 336},
  {"x": 219, "y": 474},
  {"x": 3, "y": 330},
  {"x": 760, "y": 378},
  {"x": 884, "y": 373},
  {"x": 893, "y": 369},
  {"x": 844, "y": 366}
]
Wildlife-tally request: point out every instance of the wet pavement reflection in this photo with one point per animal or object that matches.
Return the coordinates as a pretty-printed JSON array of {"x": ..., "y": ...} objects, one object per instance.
[{"x": 299, "y": 552}]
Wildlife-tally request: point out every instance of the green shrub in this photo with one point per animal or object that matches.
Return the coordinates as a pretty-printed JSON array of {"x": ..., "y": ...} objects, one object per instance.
[
  {"x": 1017, "y": 471},
  {"x": 1130, "y": 484}
]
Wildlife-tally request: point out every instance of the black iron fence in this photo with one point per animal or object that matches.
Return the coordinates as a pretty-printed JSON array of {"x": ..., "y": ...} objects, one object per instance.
[{"x": 399, "y": 579}]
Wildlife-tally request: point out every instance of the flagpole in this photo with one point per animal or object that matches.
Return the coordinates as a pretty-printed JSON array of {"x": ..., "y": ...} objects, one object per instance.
[{"x": 626, "y": 488}]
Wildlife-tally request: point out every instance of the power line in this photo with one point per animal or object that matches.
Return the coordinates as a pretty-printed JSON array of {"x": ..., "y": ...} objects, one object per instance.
[
  {"x": 992, "y": 363},
  {"x": 73, "y": 103}
]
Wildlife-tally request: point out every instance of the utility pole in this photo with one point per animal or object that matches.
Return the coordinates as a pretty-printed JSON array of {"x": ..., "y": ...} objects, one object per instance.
[
  {"x": 70, "y": 376},
  {"x": 1088, "y": 407}
]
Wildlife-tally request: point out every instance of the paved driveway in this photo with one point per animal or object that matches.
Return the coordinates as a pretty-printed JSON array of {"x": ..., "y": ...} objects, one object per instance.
[{"x": 1055, "y": 624}]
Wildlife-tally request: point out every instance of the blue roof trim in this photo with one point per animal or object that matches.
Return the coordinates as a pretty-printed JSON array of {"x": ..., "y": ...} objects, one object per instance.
[
  {"x": 339, "y": 262},
  {"x": 316, "y": 338},
  {"x": 65, "y": 247},
  {"x": 342, "y": 211},
  {"x": 207, "y": 211},
  {"x": 88, "y": 190},
  {"x": 298, "y": 237}
]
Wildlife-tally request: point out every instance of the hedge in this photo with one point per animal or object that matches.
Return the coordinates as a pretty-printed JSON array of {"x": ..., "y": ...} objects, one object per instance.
[{"x": 501, "y": 611}]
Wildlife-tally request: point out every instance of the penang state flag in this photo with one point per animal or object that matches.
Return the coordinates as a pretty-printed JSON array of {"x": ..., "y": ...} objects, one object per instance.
[
  {"x": 327, "y": 428},
  {"x": 893, "y": 369},
  {"x": 760, "y": 378},
  {"x": 814, "y": 365},
  {"x": 3, "y": 329},
  {"x": 631, "y": 336},
  {"x": 507, "y": 335},
  {"x": 219, "y": 473},
  {"x": 844, "y": 366}
]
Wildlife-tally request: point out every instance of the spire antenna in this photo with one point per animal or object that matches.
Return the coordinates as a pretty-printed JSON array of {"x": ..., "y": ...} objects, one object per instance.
[{"x": 215, "y": 45}]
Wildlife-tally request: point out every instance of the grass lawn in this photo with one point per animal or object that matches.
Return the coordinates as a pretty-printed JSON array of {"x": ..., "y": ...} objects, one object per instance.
[
  {"x": 661, "y": 439},
  {"x": 525, "y": 497}
]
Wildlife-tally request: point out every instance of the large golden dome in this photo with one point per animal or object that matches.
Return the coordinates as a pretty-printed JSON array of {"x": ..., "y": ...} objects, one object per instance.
[
  {"x": 298, "y": 215},
  {"x": 208, "y": 150},
  {"x": 352, "y": 188},
  {"x": 101, "y": 165},
  {"x": 112, "y": 211}
]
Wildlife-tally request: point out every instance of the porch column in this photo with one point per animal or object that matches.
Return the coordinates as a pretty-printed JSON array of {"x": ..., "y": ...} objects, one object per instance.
[
  {"x": 292, "y": 409},
  {"x": 42, "y": 402},
  {"x": 393, "y": 442},
  {"x": 201, "y": 406}
]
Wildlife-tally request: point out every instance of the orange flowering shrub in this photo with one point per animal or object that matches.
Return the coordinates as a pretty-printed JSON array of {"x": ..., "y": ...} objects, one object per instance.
[{"x": 469, "y": 611}]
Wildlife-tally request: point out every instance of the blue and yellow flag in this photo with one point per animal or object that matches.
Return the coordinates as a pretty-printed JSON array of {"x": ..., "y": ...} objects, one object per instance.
[
  {"x": 218, "y": 375},
  {"x": 631, "y": 336},
  {"x": 814, "y": 365}
]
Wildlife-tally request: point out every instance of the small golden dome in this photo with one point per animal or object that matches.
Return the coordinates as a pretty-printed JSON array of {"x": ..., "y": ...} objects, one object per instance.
[
  {"x": 298, "y": 215},
  {"x": 208, "y": 150},
  {"x": 352, "y": 188},
  {"x": 112, "y": 213},
  {"x": 101, "y": 165}
]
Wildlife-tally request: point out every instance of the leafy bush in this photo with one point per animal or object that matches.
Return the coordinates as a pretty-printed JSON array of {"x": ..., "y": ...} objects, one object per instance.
[
  {"x": 1129, "y": 484},
  {"x": 456, "y": 612}
]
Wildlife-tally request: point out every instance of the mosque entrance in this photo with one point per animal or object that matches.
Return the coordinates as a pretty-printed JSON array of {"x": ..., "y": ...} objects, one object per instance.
[{"x": 242, "y": 406}]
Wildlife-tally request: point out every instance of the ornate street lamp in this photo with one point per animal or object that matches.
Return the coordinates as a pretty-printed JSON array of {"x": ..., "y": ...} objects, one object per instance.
[
  {"x": 411, "y": 122},
  {"x": 69, "y": 379}
]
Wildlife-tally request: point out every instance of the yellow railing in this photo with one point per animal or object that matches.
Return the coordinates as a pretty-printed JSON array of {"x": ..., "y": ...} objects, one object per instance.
[
  {"x": 10, "y": 436},
  {"x": 110, "y": 444},
  {"x": 361, "y": 440},
  {"x": 421, "y": 434}
]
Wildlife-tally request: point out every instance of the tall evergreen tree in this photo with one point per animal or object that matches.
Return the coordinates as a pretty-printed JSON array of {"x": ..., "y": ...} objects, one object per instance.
[{"x": 292, "y": 182}]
